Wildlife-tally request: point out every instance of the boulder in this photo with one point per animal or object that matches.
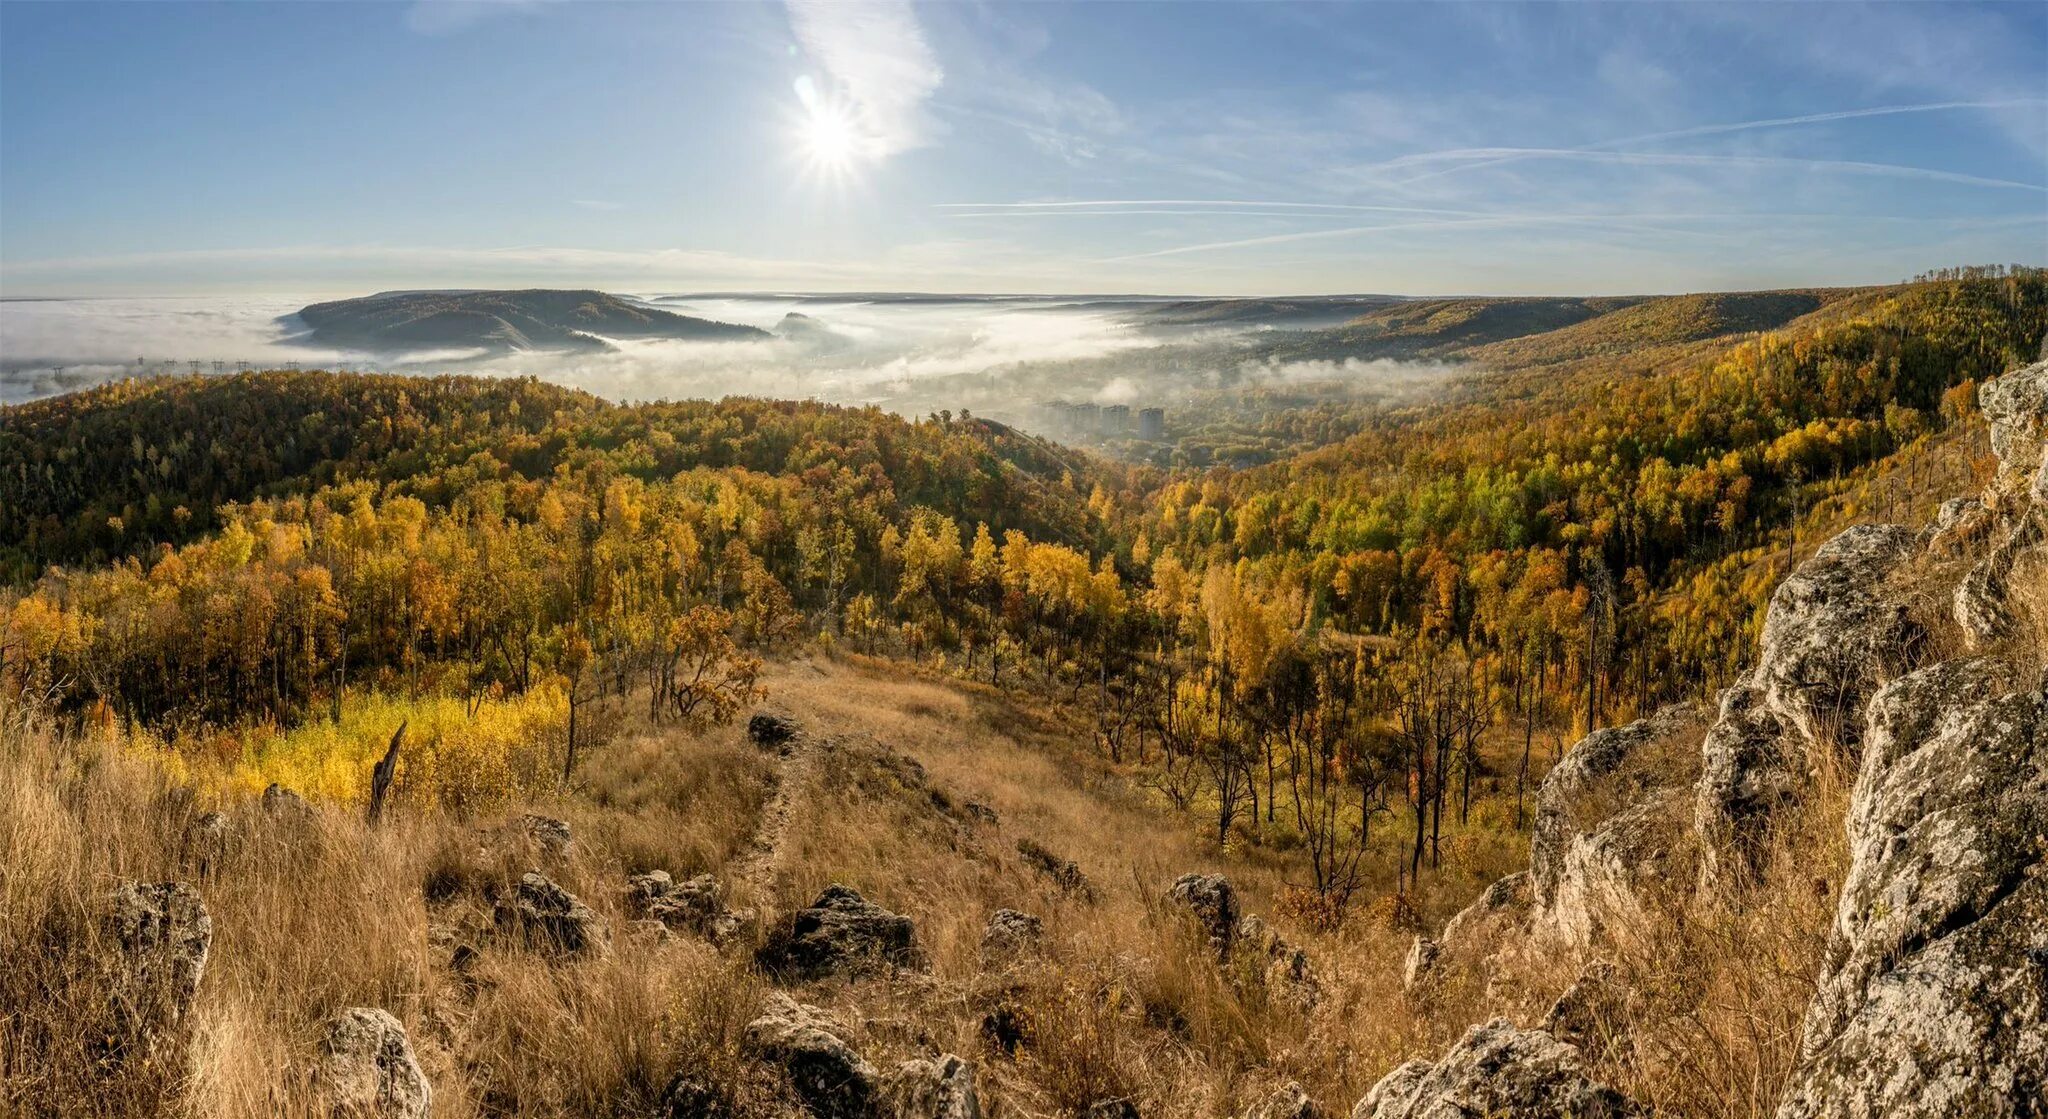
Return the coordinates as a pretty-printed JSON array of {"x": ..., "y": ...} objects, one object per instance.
[
  {"x": 2016, "y": 405},
  {"x": 694, "y": 906},
  {"x": 164, "y": 935},
  {"x": 283, "y": 805},
  {"x": 1587, "y": 1010},
  {"x": 1746, "y": 778},
  {"x": 1289, "y": 1101},
  {"x": 1608, "y": 816},
  {"x": 832, "y": 1080},
  {"x": 367, "y": 1068},
  {"x": 934, "y": 1089},
  {"x": 1832, "y": 637},
  {"x": 1422, "y": 957},
  {"x": 1213, "y": 901},
  {"x": 206, "y": 842},
  {"x": 1500, "y": 1072},
  {"x": 1276, "y": 963},
  {"x": 772, "y": 731},
  {"x": 549, "y": 835},
  {"x": 1011, "y": 934},
  {"x": 547, "y": 918},
  {"x": 841, "y": 933},
  {"x": 1933, "y": 994},
  {"x": 1982, "y": 604},
  {"x": 1112, "y": 1109}
]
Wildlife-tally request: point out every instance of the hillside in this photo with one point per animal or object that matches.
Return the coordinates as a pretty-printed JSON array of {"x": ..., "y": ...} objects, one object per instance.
[
  {"x": 497, "y": 322},
  {"x": 1656, "y": 322},
  {"x": 1349, "y": 680}
]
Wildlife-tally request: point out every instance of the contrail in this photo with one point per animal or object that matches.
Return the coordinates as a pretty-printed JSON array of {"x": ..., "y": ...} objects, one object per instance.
[
  {"x": 1077, "y": 206},
  {"x": 1503, "y": 155},
  {"x": 1751, "y": 126}
]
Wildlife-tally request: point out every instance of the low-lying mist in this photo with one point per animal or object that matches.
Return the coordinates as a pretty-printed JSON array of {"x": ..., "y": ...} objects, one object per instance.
[{"x": 995, "y": 357}]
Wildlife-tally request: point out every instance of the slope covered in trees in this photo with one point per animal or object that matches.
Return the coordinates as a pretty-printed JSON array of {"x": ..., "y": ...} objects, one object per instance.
[{"x": 1341, "y": 627}]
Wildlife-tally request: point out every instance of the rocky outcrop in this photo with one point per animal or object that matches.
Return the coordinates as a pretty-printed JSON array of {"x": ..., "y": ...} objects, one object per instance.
[
  {"x": 695, "y": 906},
  {"x": 942, "y": 1088},
  {"x": 1934, "y": 996},
  {"x": 1276, "y": 963},
  {"x": 164, "y": 936},
  {"x": 367, "y": 1068},
  {"x": 841, "y": 933},
  {"x": 2016, "y": 405},
  {"x": 1213, "y": 902},
  {"x": 1500, "y": 1072},
  {"x": 549, "y": 836},
  {"x": 1011, "y": 934},
  {"x": 1604, "y": 826},
  {"x": 285, "y": 806},
  {"x": 545, "y": 917},
  {"x": 831, "y": 1080}
]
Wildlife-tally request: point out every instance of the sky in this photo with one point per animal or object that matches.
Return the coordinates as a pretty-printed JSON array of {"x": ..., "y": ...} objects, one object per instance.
[{"x": 329, "y": 149}]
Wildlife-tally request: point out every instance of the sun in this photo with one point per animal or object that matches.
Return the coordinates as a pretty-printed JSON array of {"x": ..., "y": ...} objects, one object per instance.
[{"x": 830, "y": 137}]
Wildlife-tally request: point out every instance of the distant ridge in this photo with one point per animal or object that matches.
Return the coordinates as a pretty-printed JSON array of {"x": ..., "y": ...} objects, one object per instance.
[{"x": 500, "y": 322}]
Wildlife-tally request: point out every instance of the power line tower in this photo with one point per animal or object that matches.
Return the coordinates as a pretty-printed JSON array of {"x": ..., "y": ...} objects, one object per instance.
[
  {"x": 195, "y": 363},
  {"x": 219, "y": 367},
  {"x": 292, "y": 365},
  {"x": 241, "y": 367}
]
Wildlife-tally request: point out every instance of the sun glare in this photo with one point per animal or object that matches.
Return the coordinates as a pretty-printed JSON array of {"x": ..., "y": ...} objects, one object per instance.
[{"x": 831, "y": 139}]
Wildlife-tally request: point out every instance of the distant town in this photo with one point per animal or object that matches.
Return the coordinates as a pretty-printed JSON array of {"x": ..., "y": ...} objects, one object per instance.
[{"x": 1088, "y": 421}]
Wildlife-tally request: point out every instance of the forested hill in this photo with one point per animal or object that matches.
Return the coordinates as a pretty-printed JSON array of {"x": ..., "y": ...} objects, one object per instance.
[{"x": 128, "y": 466}]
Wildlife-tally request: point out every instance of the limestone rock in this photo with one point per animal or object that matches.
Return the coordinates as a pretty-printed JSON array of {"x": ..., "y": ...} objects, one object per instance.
[
  {"x": 1983, "y": 604},
  {"x": 368, "y": 1070},
  {"x": 694, "y": 906},
  {"x": 1933, "y": 997},
  {"x": 548, "y": 918},
  {"x": 1500, "y": 1072},
  {"x": 1289, "y": 1101},
  {"x": 692, "y": 1097},
  {"x": 1278, "y": 964},
  {"x": 1607, "y": 817},
  {"x": 283, "y": 805},
  {"x": 206, "y": 843},
  {"x": 1422, "y": 957},
  {"x": 1746, "y": 776},
  {"x": 1831, "y": 637},
  {"x": 1112, "y": 1109},
  {"x": 2016, "y": 405},
  {"x": 841, "y": 933},
  {"x": 549, "y": 835},
  {"x": 165, "y": 935},
  {"x": 832, "y": 1080},
  {"x": 1011, "y": 934},
  {"x": 935, "y": 1089},
  {"x": 1213, "y": 901}
]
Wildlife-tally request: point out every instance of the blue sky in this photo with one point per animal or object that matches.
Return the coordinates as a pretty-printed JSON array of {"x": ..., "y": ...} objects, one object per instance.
[{"x": 1182, "y": 148}]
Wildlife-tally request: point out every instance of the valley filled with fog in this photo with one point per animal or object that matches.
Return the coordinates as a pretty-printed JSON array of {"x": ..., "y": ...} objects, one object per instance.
[{"x": 1004, "y": 358}]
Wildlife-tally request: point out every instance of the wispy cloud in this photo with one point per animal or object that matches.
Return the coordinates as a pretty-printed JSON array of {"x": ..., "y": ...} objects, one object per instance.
[
  {"x": 1491, "y": 156},
  {"x": 875, "y": 56},
  {"x": 445, "y": 17}
]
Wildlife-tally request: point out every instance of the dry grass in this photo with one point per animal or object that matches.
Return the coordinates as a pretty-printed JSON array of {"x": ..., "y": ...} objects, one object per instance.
[{"x": 1126, "y": 1000}]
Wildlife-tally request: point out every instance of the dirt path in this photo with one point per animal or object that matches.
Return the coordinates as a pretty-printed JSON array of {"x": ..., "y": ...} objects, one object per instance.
[{"x": 795, "y": 777}]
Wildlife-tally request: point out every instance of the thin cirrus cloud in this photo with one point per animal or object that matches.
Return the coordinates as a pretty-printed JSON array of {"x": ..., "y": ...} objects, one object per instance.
[{"x": 874, "y": 56}]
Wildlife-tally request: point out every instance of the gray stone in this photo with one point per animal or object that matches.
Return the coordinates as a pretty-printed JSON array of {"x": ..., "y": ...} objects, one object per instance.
[
  {"x": 2016, "y": 405},
  {"x": 1746, "y": 778},
  {"x": 832, "y": 1080},
  {"x": 1500, "y": 1072},
  {"x": 841, "y": 933},
  {"x": 165, "y": 936},
  {"x": 547, "y": 918},
  {"x": 1831, "y": 637},
  {"x": 694, "y": 906},
  {"x": 367, "y": 1068},
  {"x": 1011, "y": 934},
  {"x": 1421, "y": 962},
  {"x": 934, "y": 1089},
  {"x": 1933, "y": 997},
  {"x": 549, "y": 835},
  {"x": 1213, "y": 901}
]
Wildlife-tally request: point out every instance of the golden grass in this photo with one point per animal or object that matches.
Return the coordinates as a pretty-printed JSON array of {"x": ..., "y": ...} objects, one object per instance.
[{"x": 1126, "y": 1000}]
